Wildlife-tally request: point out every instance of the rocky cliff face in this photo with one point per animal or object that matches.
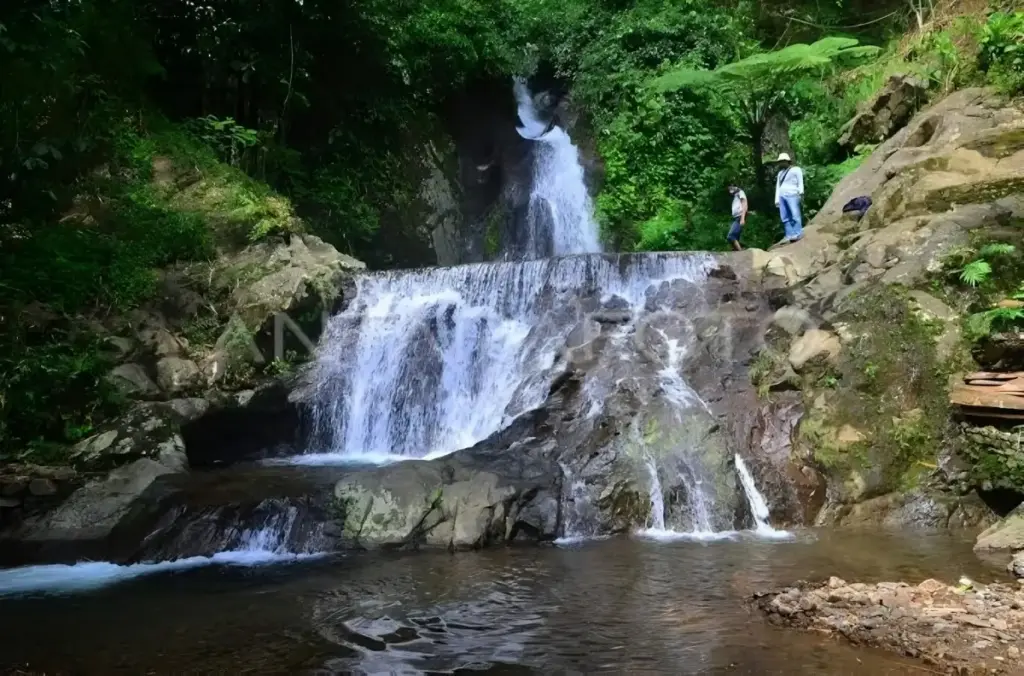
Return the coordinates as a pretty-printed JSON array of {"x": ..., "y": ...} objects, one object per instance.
[{"x": 872, "y": 333}]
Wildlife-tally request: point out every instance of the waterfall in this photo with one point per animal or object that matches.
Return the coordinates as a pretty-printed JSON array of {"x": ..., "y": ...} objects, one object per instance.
[
  {"x": 758, "y": 505},
  {"x": 425, "y": 362},
  {"x": 560, "y": 219},
  {"x": 579, "y": 514},
  {"x": 657, "y": 499}
]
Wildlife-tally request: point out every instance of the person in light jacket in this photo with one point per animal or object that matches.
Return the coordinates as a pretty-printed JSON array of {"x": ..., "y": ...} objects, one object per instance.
[
  {"x": 789, "y": 192},
  {"x": 739, "y": 216}
]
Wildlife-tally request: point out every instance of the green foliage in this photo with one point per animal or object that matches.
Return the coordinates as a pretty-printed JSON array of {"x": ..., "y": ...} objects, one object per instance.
[
  {"x": 982, "y": 324},
  {"x": 975, "y": 272},
  {"x": 661, "y": 153},
  {"x": 974, "y": 266},
  {"x": 1001, "y": 52},
  {"x": 230, "y": 139},
  {"x": 757, "y": 87},
  {"x": 770, "y": 72},
  {"x": 53, "y": 389},
  {"x": 676, "y": 227}
]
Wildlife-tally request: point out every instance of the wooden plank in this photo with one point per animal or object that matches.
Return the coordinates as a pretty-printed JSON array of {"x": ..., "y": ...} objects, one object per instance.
[
  {"x": 985, "y": 413},
  {"x": 984, "y": 397},
  {"x": 996, "y": 383},
  {"x": 989, "y": 375}
]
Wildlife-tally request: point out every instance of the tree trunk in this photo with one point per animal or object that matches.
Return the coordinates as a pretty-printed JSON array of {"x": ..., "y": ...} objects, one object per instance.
[{"x": 761, "y": 196}]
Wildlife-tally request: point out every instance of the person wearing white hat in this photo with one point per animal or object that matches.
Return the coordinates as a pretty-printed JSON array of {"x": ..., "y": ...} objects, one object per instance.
[{"x": 789, "y": 192}]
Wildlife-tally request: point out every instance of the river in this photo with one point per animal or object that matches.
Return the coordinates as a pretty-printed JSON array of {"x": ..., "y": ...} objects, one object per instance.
[{"x": 621, "y": 605}]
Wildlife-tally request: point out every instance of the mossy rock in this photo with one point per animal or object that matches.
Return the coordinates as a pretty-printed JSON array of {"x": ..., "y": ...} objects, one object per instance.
[
  {"x": 890, "y": 385},
  {"x": 996, "y": 456}
]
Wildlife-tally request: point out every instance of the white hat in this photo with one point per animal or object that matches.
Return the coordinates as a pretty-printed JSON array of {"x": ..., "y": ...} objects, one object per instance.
[{"x": 784, "y": 157}]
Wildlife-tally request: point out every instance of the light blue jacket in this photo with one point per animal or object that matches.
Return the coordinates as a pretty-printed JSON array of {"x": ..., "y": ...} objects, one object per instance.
[{"x": 789, "y": 182}]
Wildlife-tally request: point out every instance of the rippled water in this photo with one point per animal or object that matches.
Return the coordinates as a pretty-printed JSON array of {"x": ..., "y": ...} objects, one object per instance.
[{"x": 613, "y": 606}]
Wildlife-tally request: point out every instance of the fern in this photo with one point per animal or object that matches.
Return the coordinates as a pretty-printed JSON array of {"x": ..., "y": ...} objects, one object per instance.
[
  {"x": 996, "y": 249},
  {"x": 981, "y": 323},
  {"x": 762, "y": 71},
  {"x": 975, "y": 272}
]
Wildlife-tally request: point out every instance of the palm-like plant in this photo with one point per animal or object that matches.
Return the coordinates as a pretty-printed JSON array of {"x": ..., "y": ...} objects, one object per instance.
[{"x": 757, "y": 84}]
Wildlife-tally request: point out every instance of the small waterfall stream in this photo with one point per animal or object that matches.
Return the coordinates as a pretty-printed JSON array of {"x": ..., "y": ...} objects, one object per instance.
[{"x": 758, "y": 505}]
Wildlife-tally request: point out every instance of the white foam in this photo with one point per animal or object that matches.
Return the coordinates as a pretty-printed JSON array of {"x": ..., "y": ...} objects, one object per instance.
[
  {"x": 87, "y": 575},
  {"x": 570, "y": 540},
  {"x": 663, "y": 535}
]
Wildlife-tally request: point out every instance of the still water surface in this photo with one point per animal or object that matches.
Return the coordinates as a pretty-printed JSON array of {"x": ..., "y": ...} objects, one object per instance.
[{"x": 613, "y": 606}]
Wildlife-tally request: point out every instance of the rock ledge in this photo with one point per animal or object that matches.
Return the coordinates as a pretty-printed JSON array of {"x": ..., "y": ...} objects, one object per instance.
[{"x": 978, "y": 631}]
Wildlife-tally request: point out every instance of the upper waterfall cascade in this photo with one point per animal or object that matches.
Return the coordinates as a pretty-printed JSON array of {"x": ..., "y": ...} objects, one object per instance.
[{"x": 560, "y": 220}]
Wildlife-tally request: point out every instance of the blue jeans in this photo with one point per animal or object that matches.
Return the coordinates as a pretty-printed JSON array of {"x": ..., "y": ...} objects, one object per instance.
[
  {"x": 792, "y": 220},
  {"x": 735, "y": 230}
]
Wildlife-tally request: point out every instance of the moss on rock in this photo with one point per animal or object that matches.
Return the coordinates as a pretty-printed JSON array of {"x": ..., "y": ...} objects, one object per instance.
[{"x": 878, "y": 415}]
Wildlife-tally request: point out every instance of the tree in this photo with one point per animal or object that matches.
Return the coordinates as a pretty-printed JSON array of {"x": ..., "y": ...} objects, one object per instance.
[{"x": 757, "y": 85}]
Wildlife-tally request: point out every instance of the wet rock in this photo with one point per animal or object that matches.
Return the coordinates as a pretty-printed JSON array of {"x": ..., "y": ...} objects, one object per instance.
[
  {"x": 960, "y": 632},
  {"x": 175, "y": 375},
  {"x": 96, "y": 509},
  {"x": 812, "y": 345},
  {"x": 132, "y": 380},
  {"x": 615, "y": 426},
  {"x": 467, "y": 500},
  {"x": 1016, "y": 565},
  {"x": 42, "y": 488}
]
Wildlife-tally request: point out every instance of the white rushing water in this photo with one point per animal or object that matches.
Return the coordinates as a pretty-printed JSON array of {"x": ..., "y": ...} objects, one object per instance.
[
  {"x": 425, "y": 362},
  {"x": 561, "y": 215},
  {"x": 259, "y": 547},
  {"x": 657, "y": 498},
  {"x": 758, "y": 505}
]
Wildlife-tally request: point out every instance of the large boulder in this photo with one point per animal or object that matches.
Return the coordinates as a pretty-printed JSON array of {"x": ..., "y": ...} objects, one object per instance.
[
  {"x": 132, "y": 380},
  {"x": 1006, "y": 535},
  {"x": 875, "y": 412},
  {"x": 278, "y": 295},
  {"x": 886, "y": 113},
  {"x": 95, "y": 511},
  {"x": 453, "y": 503},
  {"x": 149, "y": 430}
]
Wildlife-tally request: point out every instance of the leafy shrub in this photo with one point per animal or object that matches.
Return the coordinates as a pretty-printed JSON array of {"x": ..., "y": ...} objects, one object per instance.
[
  {"x": 52, "y": 390},
  {"x": 230, "y": 139},
  {"x": 678, "y": 227},
  {"x": 1002, "y": 50}
]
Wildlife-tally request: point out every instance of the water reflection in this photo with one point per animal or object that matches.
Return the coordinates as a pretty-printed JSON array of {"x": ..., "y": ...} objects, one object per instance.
[{"x": 616, "y": 606}]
